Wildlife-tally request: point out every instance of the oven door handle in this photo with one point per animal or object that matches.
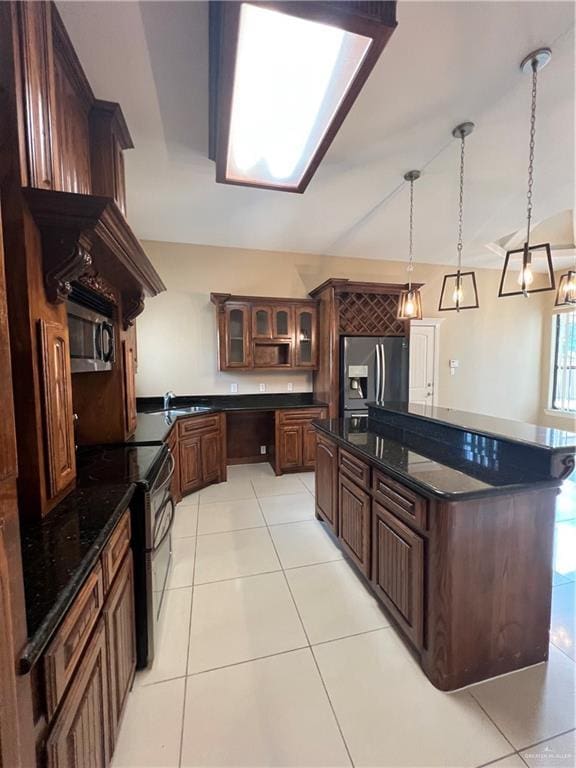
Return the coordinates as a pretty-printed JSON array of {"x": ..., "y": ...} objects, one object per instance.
[
  {"x": 170, "y": 501},
  {"x": 168, "y": 478}
]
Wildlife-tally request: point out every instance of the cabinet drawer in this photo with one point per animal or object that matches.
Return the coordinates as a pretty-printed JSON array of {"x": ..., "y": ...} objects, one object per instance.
[
  {"x": 354, "y": 468},
  {"x": 114, "y": 551},
  {"x": 65, "y": 650},
  {"x": 197, "y": 424},
  {"x": 300, "y": 415},
  {"x": 400, "y": 500}
]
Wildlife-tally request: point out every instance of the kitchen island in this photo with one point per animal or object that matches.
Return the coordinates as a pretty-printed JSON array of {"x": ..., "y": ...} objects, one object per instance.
[{"x": 449, "y": 518}]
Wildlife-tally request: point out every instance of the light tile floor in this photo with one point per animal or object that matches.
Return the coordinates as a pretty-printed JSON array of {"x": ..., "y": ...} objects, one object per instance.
[{"x": 273, "y": 653}]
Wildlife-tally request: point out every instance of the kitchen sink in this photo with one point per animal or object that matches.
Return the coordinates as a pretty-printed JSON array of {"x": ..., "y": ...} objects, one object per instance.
[{"x": 173, "y": 412}]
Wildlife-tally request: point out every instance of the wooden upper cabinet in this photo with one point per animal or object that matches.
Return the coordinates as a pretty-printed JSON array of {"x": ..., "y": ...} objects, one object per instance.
[
  {"x": 237, "y": 336},
  {"x": 57, "y": 406},
  {"x": 305, "y": 337},
  {"x": 129, "y": 363},
  {"x": 73, "y": 99},
  {"x": 38, "y": 144},
  {"x": 109, "y": 138},
  {"x": 268, "y": 334},
  {"x": 261, "y": 322}
]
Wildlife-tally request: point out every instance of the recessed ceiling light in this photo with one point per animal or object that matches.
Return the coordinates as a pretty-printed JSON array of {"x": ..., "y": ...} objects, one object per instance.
[{"x": 286, "y": 75}]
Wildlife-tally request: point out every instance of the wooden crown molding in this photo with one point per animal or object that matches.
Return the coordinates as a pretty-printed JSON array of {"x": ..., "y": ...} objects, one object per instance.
[
  {"x": 343, "y": 285},
  {"x": 221, "y": 298},
  {"x": 72, "y": 225}
]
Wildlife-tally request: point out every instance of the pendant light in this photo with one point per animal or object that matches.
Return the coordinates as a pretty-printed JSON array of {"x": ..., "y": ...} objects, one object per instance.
[
  {"x": 529, "y": 269},
  {"x": 566, "y": 294},
  {"x": 410, "y": 305},
  {"x": 459, "y": 290}
]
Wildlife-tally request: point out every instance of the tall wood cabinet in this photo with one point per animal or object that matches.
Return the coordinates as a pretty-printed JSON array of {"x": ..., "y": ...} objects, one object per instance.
[
  {"x": 266, "y": 333},
  {"x": 57, "y": 405}
]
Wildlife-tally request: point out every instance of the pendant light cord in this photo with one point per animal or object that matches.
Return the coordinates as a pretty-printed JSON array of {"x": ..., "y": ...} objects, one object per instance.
[
  {"x": 531, "y": 153},
  {"x": 461, "y": 204},
  {"x": 410, "y": 267}
]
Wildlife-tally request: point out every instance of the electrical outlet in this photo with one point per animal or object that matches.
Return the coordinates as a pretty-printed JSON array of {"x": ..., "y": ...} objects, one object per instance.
[
  {"x": 234, "y": 388},
  {"x": 290, "y": 386},
  {"x": 262, "y": 387},
  {"x": 263, "y": 450}
]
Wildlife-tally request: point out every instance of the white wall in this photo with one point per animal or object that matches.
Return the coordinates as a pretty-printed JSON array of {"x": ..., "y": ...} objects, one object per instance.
[{"x": 498, "y": 346}]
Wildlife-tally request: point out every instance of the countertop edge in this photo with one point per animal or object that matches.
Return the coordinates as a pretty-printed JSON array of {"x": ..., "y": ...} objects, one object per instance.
[
  {"x": 33, "y": 649},
  {"x": 504, "y": 490}
]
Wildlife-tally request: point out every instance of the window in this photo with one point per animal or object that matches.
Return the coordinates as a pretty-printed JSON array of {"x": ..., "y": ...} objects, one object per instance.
[{"x": 564, "y": 362}]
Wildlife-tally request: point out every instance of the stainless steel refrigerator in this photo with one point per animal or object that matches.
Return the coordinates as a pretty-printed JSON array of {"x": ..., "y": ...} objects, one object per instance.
[{"x": 372, "y": 369}]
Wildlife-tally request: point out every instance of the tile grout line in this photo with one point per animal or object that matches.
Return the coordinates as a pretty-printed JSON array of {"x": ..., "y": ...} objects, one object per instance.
[
  {"x": 308, "y": 640},
  {"x": 548, "y": 738},
  {"x": 494, "y": 723},
  {"x": 189, "y": 637}
]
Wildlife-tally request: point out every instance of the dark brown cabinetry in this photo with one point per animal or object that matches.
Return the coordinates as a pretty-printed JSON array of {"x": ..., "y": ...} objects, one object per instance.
[
  {"x": 80, "y": 735},
  {"x": 295, "y": 439},
  {"x": 57, "y": 406},
  {"x": 129, "y": 360},
  {"x": 354, "y": 522},
  {"x": 172, "y": 443},
  {"x": 202, "y": 452},
  {"x": 121, "y": 642},
  {"x": 398, "y": 571},
  {"x": 89, "y": 665},
  {"x": 327, "y": 482},
  {"x": 267, "y": 333}
]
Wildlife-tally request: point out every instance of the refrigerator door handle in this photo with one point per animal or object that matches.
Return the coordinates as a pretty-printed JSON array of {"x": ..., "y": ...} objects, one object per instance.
[
  {"x": 377, "y": 373},
  {"x": 382, "y": 373}
]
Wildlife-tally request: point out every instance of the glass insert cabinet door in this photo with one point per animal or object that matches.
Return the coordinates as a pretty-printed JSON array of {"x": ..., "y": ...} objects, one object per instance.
[
  {"x": 283, "y": 322},
  {"x": 305, "y": 337},
  {"x": 237, "y": 342},
  {"x": 261, "y": 322}
]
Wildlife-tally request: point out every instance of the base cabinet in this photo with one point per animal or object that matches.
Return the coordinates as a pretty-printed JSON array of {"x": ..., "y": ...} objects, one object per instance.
[
  {"x": 82, "y": 709},
  {"x": 296, "y": 439},
  {"x": 398, "y": 571},
  {"x": 201, "y": 452},
  {"x": 327, "y": 482},
  {"x": 121, "y": 643},
  {"x": 354, "y": 522},
  {"x": 80, "y": 735}
]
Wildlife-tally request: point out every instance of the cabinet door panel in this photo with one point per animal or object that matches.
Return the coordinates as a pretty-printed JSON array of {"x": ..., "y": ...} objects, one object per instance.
[
  {"x": 80, "y": 735},
  {"x": 283, "y": 322},
  {"x": 210, "y": 448},
  {"x": 398, "y": 571},
  {"x": 308, "y": 446},
  {"x": 327, "y": 482},
  {"x": 354, "y": 522},
  {"x": 121, "y": 642},
  {"x": 190, "y": 464},
  {"x": 305, "y": 337},
  {"x": 57, "y": 402},
  {"x": 261, "y": 322},
  {"x": 237, "y": 336},
  {"x": 129, "y": 360},
  {"x": 290, "y": 446}
]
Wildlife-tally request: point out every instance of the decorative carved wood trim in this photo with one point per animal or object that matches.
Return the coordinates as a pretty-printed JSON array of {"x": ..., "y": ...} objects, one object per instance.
[
  {"x": 66, "y": 258},
  {"x": 99, "y": 285},
  {"x": 132, "y": 306},
  {"x": 91, "y": 220}
]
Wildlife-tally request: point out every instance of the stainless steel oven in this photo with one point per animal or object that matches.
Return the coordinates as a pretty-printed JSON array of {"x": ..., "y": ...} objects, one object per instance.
[{"x": 91, "y": 339}]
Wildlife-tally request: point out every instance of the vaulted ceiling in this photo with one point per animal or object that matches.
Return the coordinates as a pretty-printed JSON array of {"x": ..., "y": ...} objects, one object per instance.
[{"x": 447, "y": 62}]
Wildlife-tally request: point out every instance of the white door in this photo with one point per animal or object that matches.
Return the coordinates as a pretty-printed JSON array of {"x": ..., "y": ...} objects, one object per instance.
[{"x": 422, "y": 364}]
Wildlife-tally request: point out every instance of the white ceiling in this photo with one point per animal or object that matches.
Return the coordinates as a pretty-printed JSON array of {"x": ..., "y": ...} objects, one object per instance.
[{"x": 447, "y": 62}]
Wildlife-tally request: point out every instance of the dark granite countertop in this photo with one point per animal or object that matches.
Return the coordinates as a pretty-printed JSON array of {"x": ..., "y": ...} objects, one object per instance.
[
  {"x": 453, "y": 472},
  {"x": 502, "y": 429},
  {"x": 153, "y": 428},
  {"x": 117, "y": 464},
  {"x": 59, "y": 552}
]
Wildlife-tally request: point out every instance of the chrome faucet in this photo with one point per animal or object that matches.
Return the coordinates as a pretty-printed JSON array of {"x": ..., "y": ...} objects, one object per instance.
[{"x": 167, "y": 398}]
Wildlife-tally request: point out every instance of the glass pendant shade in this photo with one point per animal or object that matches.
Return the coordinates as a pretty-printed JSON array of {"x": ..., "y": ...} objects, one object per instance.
[
  {"x": 527, "y": 270},
  {"x": 410, "y": 304},
  {"x": 459, "y": 291},
  {"x": 566, "y": 294}
]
